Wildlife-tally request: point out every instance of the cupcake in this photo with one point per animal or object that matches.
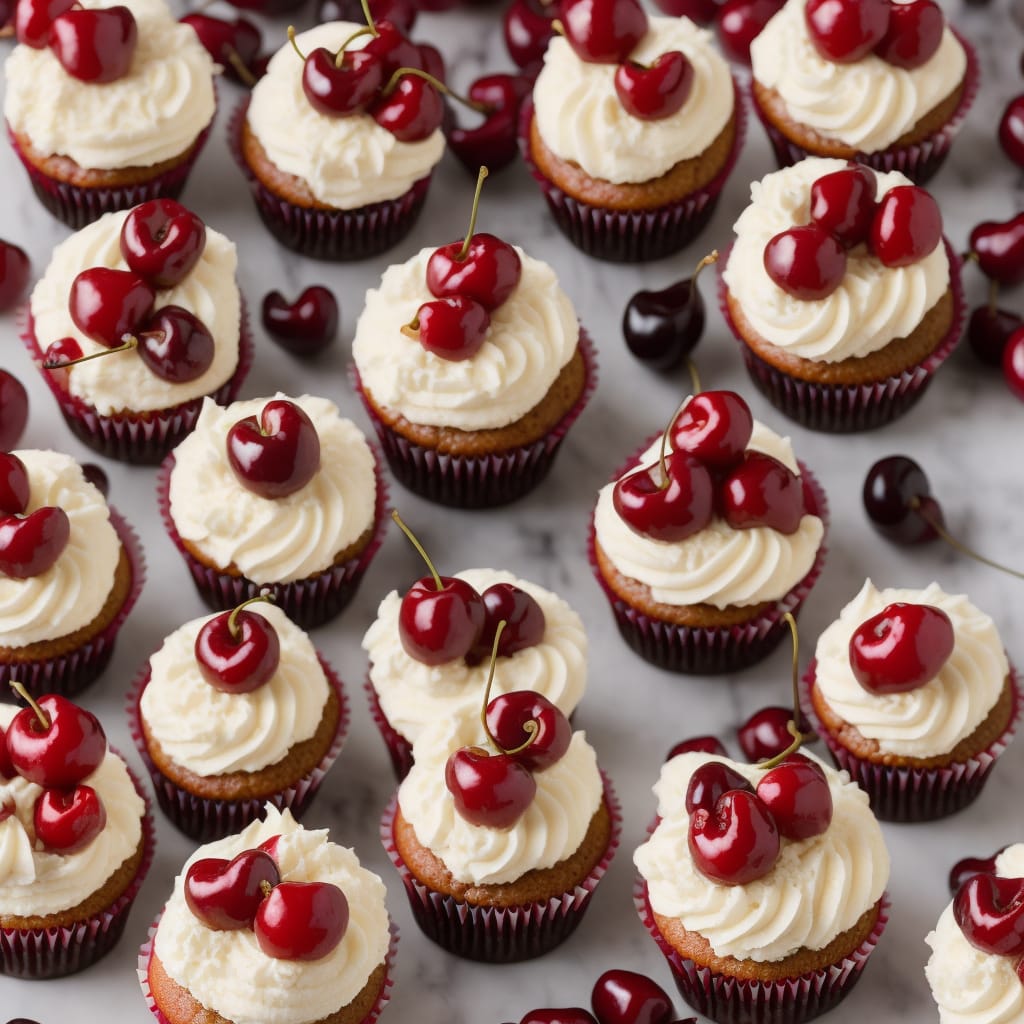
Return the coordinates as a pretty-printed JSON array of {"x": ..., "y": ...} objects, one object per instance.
[
  {"x": 102, "y": 132},
  {"x": 70, "y": 571},
  {"x": 892, "y": 96},
  {"x": 158, "y": 276},
  {"x": 778, "y": 926},
  {"x": 842, "y": 292},
  {"x": 235, "y": 711},
  {"x": 77, "y": 840},
  {"x": 626, "y": 176},
  {"x": 702, "y": 587},
  {"x": 278, "y": 495},
  {"x": 340, "y": 180},
  {"x": 915, "y": 698},
  {"x": 309, "y": 941}
]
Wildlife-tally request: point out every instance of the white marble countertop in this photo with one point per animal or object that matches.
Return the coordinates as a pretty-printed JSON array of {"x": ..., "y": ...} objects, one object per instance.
[{"x": 965, "y": 432}]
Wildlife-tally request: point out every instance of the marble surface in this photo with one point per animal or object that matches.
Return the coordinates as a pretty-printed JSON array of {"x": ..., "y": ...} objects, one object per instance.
[{"x": 965, "y": 432}]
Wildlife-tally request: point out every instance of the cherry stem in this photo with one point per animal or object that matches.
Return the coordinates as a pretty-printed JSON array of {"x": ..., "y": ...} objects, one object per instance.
[
  {"x": 339, "y": 57},
  {"x": 557, "y": 27},
  {"x": 664, "y": 442},
  {"x": 44, "y": 718},
  {"x": 480, "y": 108},
  {"x": 712, "y": 257},
  {"x": 792, "y": 726},
  {"x": 464, "y": 251},
  {"x": 265, "y": 887},
  {"x": 127, "y": 344},
  {"x": 295, "y": 45},
  {"x": 412, "y": 328},
  {"x": 265, "y": 595},
  {"x": 958, "y": 545},
  {"x": 691, "y": 368},
  {"x": 235, "y": 60},
  {"x": 370, "y": 23},
  {"x": 530, "y": 726},
  {"x": 419, "y": 547}
]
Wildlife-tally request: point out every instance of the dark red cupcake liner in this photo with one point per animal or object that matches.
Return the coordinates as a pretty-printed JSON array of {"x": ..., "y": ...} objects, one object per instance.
[
  {"x": 477, "y": 481},
  {"x": 919, "y": 161},
  {"x": 908, "y": 794},
  {"x": 399, "y": 748},
  {"x": 70, "y": 673},
  {"x": 205, "y": 819},
  {"x": 633, "y": 236},
  {"x": 327, "y": 234},
  {"x": 141, "y": 438},
  {"x": 845, "y": 408},
  {"x": 39, "y": 953},
  {"x": 500, "y": 935},
  {"x": 308, "y": 603}
]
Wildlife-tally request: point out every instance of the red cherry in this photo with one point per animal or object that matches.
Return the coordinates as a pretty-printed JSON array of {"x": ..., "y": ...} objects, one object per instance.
[
  {"x": 439, "y": 624},
  {"x": 737, "y": 842},
  {"x": 740, "y": 22},
  {"x": 13, "y": 410},
  {"x": 393, "y": 48},
  {"x": 699, "y": 744},
  {"x": 301, "y": 921},
  {"x": 176, "y": 345},
  {"x": 964, "y": 870},
  {"x": 527, "y": 27},
  {"x": 843, "y": 203},
  {"x": 33, "y": 19},
  {"x": 896, "y": 493},
  {"x": 806, "y": 262},
  {"x": 1011, "y": 130},
  {"x": 277, "y": 454},
  {"x": 523, "y": 618},
  {"x": 761, "y": 491},
  {"x": 95, "y": 45},
  {"x": 162, "y": 241},
  {"x": 492, "y": 791},
  {"x": 998, "y": 246},
  {"x": 703, "y": 12},
  {"x": 990, "y": 912},
  {"x": 670, "y": 513},
  {"x": 269, "y": 847},
  {"x": 235, "y": 45},
  {"x": 846, "y": 30},
  {"x": 797, "y": 795},
  {"x": 15, "y": 270},
  {"x": 307, "y": 325},
  {"x": 603, "y": 31},
  {"x": 625, "y": 997},
  {"x": 988, "y": 332},
  {"x": 413, "y": 111},
  {"x": 655, "y": 91},
  {"x": 714, "y": 427},
  {"x": 765, "y": 734},
  {"x": 62, "y": 755},
  {"x": 7, "y": 769},
  {"x": 493, "y": 143},
  {"x": 107, "y": 304},
  {"x": 711, "y": 781},
  {"x": 237, "y": 651},
  {"x": 225, "y": 895},
  {"x": 1013, "y": 363},
  {"x": 452, "y": 328},
  {"x": 507, "y": 715},
  {"x": 32, "y": 544},
  {"x": 907, "y": 226},
  {"x": 14, "y": 485},
  {"x": 488, "y": 273},
  {"x": 67, "y": 821},
  {"x": 914, "y": 34},
  {"x": 431, "y": 61},
  {"x": 901, "y": 648},
  {"x": 338, "y": 89}
]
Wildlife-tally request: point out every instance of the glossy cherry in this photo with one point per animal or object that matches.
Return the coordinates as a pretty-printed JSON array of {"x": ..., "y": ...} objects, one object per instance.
[
  {"x": 507, "y": 716},
  {"x": 68, "y": 820},
  {"x": 488, "y": 273},
  {"x": 844, "y": 31},
  {"x": 527, "y": 27},
  {"x": 968, "y": 867},
  {"x": 277, "y": 453},
  {"x": 7, "y": 770},
  {"x": 453, "y": 328},
  {"x": 307, "y": 325},
  {"x": 339, "y": 85},
  {"x": 667, "y": 504},
  {"x": 998, "y": 247},
  {"x": 806, "y": 262},
  {"x": 1011, "y": 130},
  {"x": 225, "y": 895},
  {"x": 106, "y": 304},
  {"x": 162, "y": 241},
  {"x": 490, "y": 790},
  {"x": 698, "y": 744},
  {"x": 15, "y": 270},
  {"x": 238, "y": 651},
  {"x": 714, "y": 427},
  {"x": 34, "y": 18},
  {"x": 740, "y": 22},
  {"x": 176, "y": 345},
  {"x": 703, "y": 12},
  {"x": 401, "y": 12},
  {"x": 58, "y": 354},
  {"x": 95, "y": 45},
  {"x": 735, "y": 843},
  {"x": 655, "y": 91},
  {"x": 14, "y": 484},
  {"x": 523, "y": 618},
  {"x": 990, "y": 912},
  {"x": 765, "y": 734},
  {"x": 907, "y": 226},
  {"x": 1013, "y": 363},
  {"x": 796, "y": 793},
  {"x": 493, "y": 143},
  {"x": 235, "y": 45},
  {"x": 29, "y": 545},
  {"x": 393, "y": 48},
  {"x": 558, "y": 1015},
  {"x": 988, "y": 332},
  {"x": 709, "y": 782},
  {"x": 626, "y": 997},
  {"x": 603, "y": 31},
  {"x": 411, "y": 111},
  {"x": 914, "y": 34},
  {"x": 843, "y": 203},
  {"x": 761, "y": 491},
  {"x": 13, "y": 410},
  {"x": 301, "y": 920},
  {"x": 898, "y": 500}
]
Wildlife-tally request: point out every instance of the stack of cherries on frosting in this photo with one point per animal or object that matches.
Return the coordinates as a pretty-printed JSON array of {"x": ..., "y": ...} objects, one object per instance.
[
  {"x": 238, "y": 651},
  {"x": 29, "y": 544},
  {"x": 903, "y": 227}
]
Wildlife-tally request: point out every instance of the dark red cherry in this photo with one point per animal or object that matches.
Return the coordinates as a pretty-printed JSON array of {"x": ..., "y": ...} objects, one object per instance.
[
  {"x": 15, "y": 270},
  {"x": 235, "y": 45},
  {"x": 14, "y": 485},
  {"x": 507, "y": 716},
  {"x": 431, "y": 61},
  {"x": 990, "y": 912},
  {"x": 907, "y": 226},
  {"x": 58, "y": 354},
  {"x": 307, "y": 325},
  {"x": 439, "y": 624},
  {"x": 301, "y": 921},
  {"x": 7, "y": 769},
  {"x": 673, "y": 512},
  {"x": 737, "y": 842},
  {"x": 401, "y": 12},
  {"x": 393, "y": 48},
  {"x": 413, "y": 111},
  {"x": 68, "y": 820},
  {"x": 493, "y": 791},
  {"x": 998, "y": 247},
  {"x": 846, "y": 30},
  {"x": 523, "y": 618},
  {"x": 162, "y": 241},
  {"x": 107, "y": 304},
  {"x": 988, "y": 332},
  {"x": 603, "y": 31},
  {"x": 13, "y": 410},
  {"x": 740, "y": 22},
  {"x": 527, "y": 27},
  {"x": 663, "y": 327},
  {"x": 698, "y": 744},
  {"x": 277, "y": 453},
  {"x": 709, "y": 782},
  {"x": 714, "y": 427},
  {"x": 558, "y": 1015},
  {"x": 655, "y": 91},
  {"x": 796, "y": 793},
  {"x": 453, "y": 328},
  {"x": 896, "y": 493},
  {"x": 761, "y": 491},
  {"x": 29, "y": 545},
  {"x": 34, "y": 18},
  {"x": 97, "y": 477},
  {"x": 806, "y": 262},
  {"x": 493, "y": 143},
  {"x": 843, "y": 203},
  {"x": 488, "y": 273},
  {"x": 965, "y": 869},
  {"x": 339, "y": 88},
  {"x": 703, "y": 12},
  {"x": 625, "y": 997},
  {"x": 225, "y": 895},
  {"x": 237, "y": 651},
  {"x": 95, "y": 45},
  {"x": 765, "y": 734},
  {"x": 1011, "y": 130},
  {"x": 914, "y": 34},
  {"x": 1013, "y": 363},
  {"x": 176, "y": 345}
]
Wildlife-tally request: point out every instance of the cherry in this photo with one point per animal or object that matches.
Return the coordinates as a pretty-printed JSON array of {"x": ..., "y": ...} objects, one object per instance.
[
  {"x": 401, "y": 12},
  {"x": 453, "y": 328},
  {"x": 907, "y": 226},
  {"x": 1013, "y": 363},
  {"x": 703, "y": 12},
  {"x": 97, "y": 477},
  {"x": 965, "y": 869},
  {"x": 431, "y": 61},
  {"x": 162, "y": 241},
  {"x": 558, "y": 1015},
  {"x": 523, "y": 618},
  {"x": 765, "y": 734},
  {"x": 176, "y": 345},
  {"x": 13, "y": 410},
  {"x": 603, "y": 31},
  {"x": 699, "y": 744},
  {"x": 277, "y": 454},
  {"x": 33, "y": 19},
  {"x": 493, "y": 143},
  {"x": 393, "y": 48},
  {"x": 225, "y": 895},
  {"x": 1011, "y": 130},
  {"x": 806, "y": 262},
  {"x": 67, "y": 821},
  {"x": 625, "y": 997},
  {"x": 301, "y": 920},
  {"x": 737, "y": 842},
  {"x": 507, "y": 716},
  {"x": 739, "y": 24},
  {"x": 238, "y": 651},
  {"x": 489, "y": 790},
  {"x": 998, "y": 247},
  {"x": 307, "y": 325},
  {"x": 714, "y": 427},
  {"x": 761, "y": 491},
  {"x": 527, "y": 27},
  {"x": 269, "y": 847},
  {"x": 32, "y": 544},
  {"x": 797, "y": 795},
  {"x": 843, "y": 203},
  {"x": 7, "y": 769},
  {"x": 898, "y": 501},
  {"x": 95, "y": 45},
  {"x": 671, "y": 507},
  {"x": 655, "y": 91},
  {"x": 341, "y": 84},
  {"x": 709, "y": 782},
  {"x": 14, "y": 485},
  {"x": 846, "y": 30},
  {"x": 412, "y": 110},
  {"x": 235, "y": 45},
  {"x": 15, "y": 270},
  {"x": 914, "y": 34},
  {"x": 990, "y": 912},
  {"x": 989, "y": 330},
  {"x": 107, "y": 304}
]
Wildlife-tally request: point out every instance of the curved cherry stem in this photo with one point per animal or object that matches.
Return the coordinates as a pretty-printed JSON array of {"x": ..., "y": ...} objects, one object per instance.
[
  {"x": 236, "y": 62},
  {"x": 958, "y": 545},
  {"x": 530, "y": 727},
  {"x": 712, "y": 257},
  {"x": 128, "y": 342},
  {"x": 412, "y": 328},
  {"x": 480, "y": 179},
  {"x": 339, "y": 57},
  {"x": 400, "y": 73},
  {"x": 691, "y": 368},
  {"x": 419, "y": 547},
  {"x": 295, "y": 45},
  {"x": 664, "y": 443},
  {"x": 792, "y": 726},
  {"x": 370, "y": 23},
  {"x": 44, "y": 718},
  {"x": 266, "y": 595}
]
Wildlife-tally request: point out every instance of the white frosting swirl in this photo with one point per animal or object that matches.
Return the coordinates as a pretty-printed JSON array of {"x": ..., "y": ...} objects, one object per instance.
[
  {"x": 210, "y": 732},
  {"x": 154, "y": 113},
  {"x": 532, "y": 335},
  {"x": 969, "y": 985},
  {"x": 873, "y": 305},
  {"x": 273, "y": 540},
  {"x": 581, "y": 118},
  {"x": 413, "y": 695},
  {"x": 123, "y": 381},
  {"x": 868, "y": 104},
  {"x": 227, "y": 971},
  {"x": 934, "y": 718},
  {"x": 73, "y": 591},
  {"x": 569, "y": 792},
  {"x": 50, "y": 883},
  {"x": 347, "y": 162},
  {"x": 818, "y": 888},
  {"x": 717, "y": 565}
]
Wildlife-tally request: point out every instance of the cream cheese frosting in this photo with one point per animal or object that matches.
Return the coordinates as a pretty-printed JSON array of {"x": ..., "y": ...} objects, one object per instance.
[
  {"x": 34, "y": 883},
  {"x": 569, "y": 793},
  {"x": 281, "y": 539},
  {"x": 122, "y": 381},
  {"x": 818, "y": 888},
  {"x": 413, "y": 695},
  {"x": 581, "y": 119},
  {"x": 934, "y": 718},
  {"x": 154, "y": 113},
  {"x": 532, "y": 335},
  {"x": 73, "y": 591},
  {"x": 867, "y": 104},
  {"x": 347, "y": 162},
  {"x": 210, "y": 732},
  {"x": 227, "y": 971},
  {"x": 969, "y": 985},
  {"x": 873, "y": 305},
  {"x": 718, "y": 565}
]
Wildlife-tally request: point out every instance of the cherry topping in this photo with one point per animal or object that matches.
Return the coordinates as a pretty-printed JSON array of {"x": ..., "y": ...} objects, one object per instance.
[
  {"x": 907, "y": 226},
  {"x": 29, "y": 545},
  {"x": 914, "y": 34},
  {"x": 13, "y": 410},
  {"x": 988, "y": 332},
  {"x": 235, "y": 45},
  {"x": 964, "y": 870},
  {"x": 176, "y": 345},
  {"x": 278, "y": 453},
  {"x": 507, "y": 718},
  {"x": 61, "y": 353},
  {"x": 95, "y": 45},
  {"x": 7, "y": 770},
  {"x": 162, "y": 241},
  {"x": 603, "y": 31},
  {"x": 225, "y": 895},
  {"x": 740, "y": 22},
  {"x": 67, "y": 821},
  {"x": 33, "y": 19},
  {"x": 14, "y": 485},
  {"x": 709, "y": 782},
  {"x": 341, "y": 84},
  {"x": 843, "y": 203},
  {"x": 897, "y": 498},
  {"x": 301, "y": 920},
  {"x": 844, "y": 31},
  {"x": 15, "y": 269},
  {"x": 998, "y": 246},
  {"x": 1013, "y": 363},
  {"x": 797, "y": 795},
  {"x": 761, "y": 491},
  {"x": 523, "y": 618},
  {"x": 765, "y": 734},
  {"x": 625, "y": 997},
  {"x": 490, "y": 790},
  {"x": 452, "y": 328},
  {"x": 107, "y": 304},
  {"x": 393, "y": 48},
  {"x": 737, "y": 842},
  {"x": 990, "y": 912},
  {"x": 699, "y": 744},
  {"x": 655, "y": 91},
  {"x": 666, "y": 503},
  {"x": 714, "y": 427},
  {"x": 238, "y": 651},
  {"x": 307, "y": 325},
  {"x": 806, "y": 262},
  {"x": 1011, "y": 130},
  {"x": 412, "y": 110}
]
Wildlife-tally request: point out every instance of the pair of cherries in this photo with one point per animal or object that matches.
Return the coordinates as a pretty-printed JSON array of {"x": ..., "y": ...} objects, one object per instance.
[
  {"x": 238, "y": 651},
  {"x": 905, "y": 35},
  {"x": 618, "y": 997},
  {"x": 989, "y": 909},
  {"x": 809, "y": 261},
  {"x": 30, "y": 544}
]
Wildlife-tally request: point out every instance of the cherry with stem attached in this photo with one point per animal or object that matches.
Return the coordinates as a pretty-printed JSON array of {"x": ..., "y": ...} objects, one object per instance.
[{"x": 238, "y": 651}]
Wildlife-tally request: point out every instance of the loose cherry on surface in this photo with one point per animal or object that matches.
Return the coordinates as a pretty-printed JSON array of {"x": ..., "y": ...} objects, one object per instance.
[
  {"x": 843, "y": 203},
  {"x": 225, "y": 895},
  {"x": 806, "y": 262},
  {"x": 998, "y": 248},
  {"x": 1011, "y": 130},
  {"x": 13, "y": 410},
  {"x": 277, "y": 453},
  {"x": 907, "y": 226},
  {"x": 844, "y": 31},
  {"x": 709, "y": 782},
  {"x": 95, "y": 45},
  {"x": 735, "y": 843},
  {"x": 548, "y": 738},
  {"x": 14, "y": 484},
  {"x": 655, "y": 91},
  {"x": 492, "y": 143},
  {"x": 698, "y": 744},
  {"x": 765, "y": 734},
  {"x": 988, "y": 332},
  {"x": 235, "y": 45},
  {"x": 714, "y": 427},
  {"x": 307, "y": 325},
  {"x": 411, "y": 109},
  {"x": 301, "y": 920},
  {"x": 761, "y": 491},
  {"x": 990, "y": 912},
  {"x": 968, "y": 867},
  {"x": 490, "y": 790},
  {"x": 667, "y": 502},
  {"x": 527, "y": 27},
  {"x": 1013, "y": 363},
  {"x": 797, "y": 794},
  {"x": 238, "y": 651},
  {"x": 898, "y": 500},
  {"x": 452, "y": 328},
  {"x": 15, "y": 270},
  {"x": 107, "y": 304},
  {"x": 68, "y": 820},
  {"x": 558, "y": 1015},
  {"x": 29, "y": 545},
  {"x": 914, "y": 34},
  {"x": 176, "y": 345},
  {"x": 33, "y": 19},
  {"x": 162, "y": 241},
  {"x": 603, "y": 31},
  {"x": 626, "y": 997},
  {"x": 740, "y": 22}
]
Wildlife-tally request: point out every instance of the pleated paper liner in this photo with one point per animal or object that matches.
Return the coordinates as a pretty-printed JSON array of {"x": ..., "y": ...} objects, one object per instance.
[
  {"x": 479, "y": 481},
  {"x": 40, "y": 953},
  {"x": 204, "y": 819},
  {"x": 309, "y": 602},
  {"x": 329, "y": 234},
  {"x": 500, "y": 935},
  {"x": 399, "y": 748},
  {"x": 632, "y": 236},
  {"x": 909, "y": 794},
  {"x": 69, "y": 673},
  {"x": 731, "y": 1000},
  {"x": 844, "y": 408}
]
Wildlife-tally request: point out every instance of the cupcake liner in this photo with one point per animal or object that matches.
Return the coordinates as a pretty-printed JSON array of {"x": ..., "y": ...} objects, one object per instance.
[
  {"x": 632, "y": 236},
  {"x": 328, "y": 234},
  {"x": 477, "y": 481},
  {"x": 499, "y": 935},
  {"x": 919, "y": 161},
  {"x": 39, "y": 953},
  {"x": 205, "y": 819},
  {"x": 844, "y": 408},
  {"x": 141, "y": 438},
  {"x": 399, "y": 748},
  {"x": 308, "y": 603},
  {"x": 731, "y": 1000},
  {"x": 717, "y": 649},
  {"x": 908, "y": 794},
  {"x": 69, "y": 673}
]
